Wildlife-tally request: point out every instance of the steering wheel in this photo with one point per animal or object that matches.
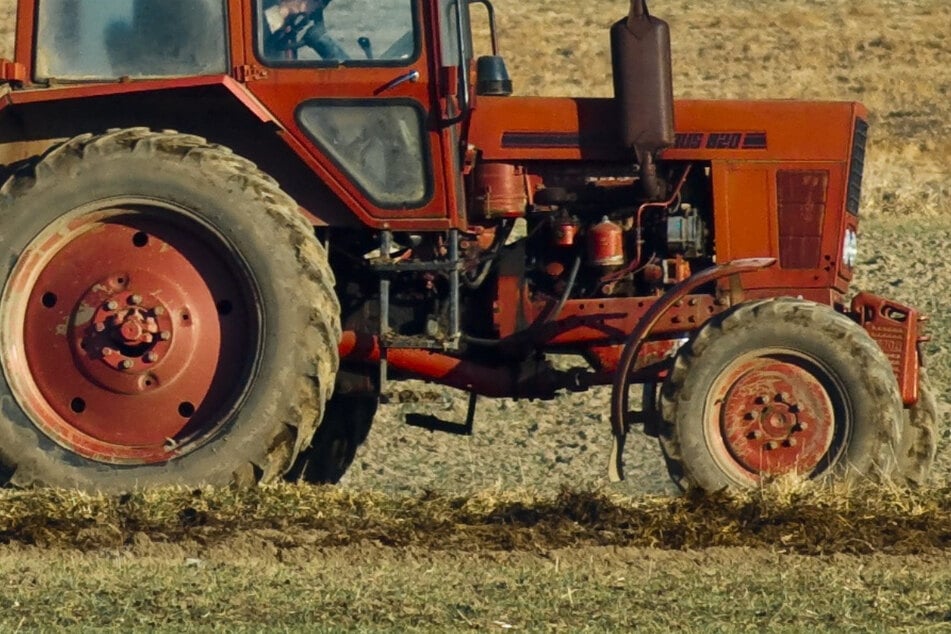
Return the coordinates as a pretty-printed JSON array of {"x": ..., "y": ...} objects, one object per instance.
[
  {"x": 307, "y": 29},
  {"x": 291, "y": 35}
]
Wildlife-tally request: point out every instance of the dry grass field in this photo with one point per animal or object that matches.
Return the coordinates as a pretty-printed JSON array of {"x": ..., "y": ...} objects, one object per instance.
[{"x": 516, "y": 528}]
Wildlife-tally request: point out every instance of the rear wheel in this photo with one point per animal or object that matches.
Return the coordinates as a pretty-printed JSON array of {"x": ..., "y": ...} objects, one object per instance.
[
  {"x": 345, "y": 427},
  {"x": 775, "y": 388},
  {"x": 167, "y": 317}
]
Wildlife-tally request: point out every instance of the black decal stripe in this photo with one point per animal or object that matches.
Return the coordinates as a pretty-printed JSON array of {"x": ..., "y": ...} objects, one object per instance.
[
  {"x": 751, "y": 140},
  {"x": 754, "y": 141},
  {"x": 540, "y": 139}
]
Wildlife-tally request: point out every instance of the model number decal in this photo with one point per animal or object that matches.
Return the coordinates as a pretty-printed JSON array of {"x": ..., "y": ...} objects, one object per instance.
[{"x": 720, "y": 140}]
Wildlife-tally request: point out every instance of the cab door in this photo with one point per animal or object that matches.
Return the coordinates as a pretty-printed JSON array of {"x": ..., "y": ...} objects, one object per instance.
[{"x": 360, "y": 89}]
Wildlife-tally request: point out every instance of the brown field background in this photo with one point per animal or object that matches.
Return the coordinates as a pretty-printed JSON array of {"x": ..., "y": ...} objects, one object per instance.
[{"x": 515, "y": 527}]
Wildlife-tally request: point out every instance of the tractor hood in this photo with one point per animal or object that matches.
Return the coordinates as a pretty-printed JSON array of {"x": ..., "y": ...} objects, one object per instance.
[{"x": 540, "y": 128}]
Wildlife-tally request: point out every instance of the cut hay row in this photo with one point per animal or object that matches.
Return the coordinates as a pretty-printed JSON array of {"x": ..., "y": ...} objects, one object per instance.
[{"x": 804, "y": 520}]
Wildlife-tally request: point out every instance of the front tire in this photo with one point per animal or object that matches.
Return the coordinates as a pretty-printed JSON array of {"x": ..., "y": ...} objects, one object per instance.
[
  {"x": 779, "y": 387},
  {"x": 167, "y": 317},
  {"x": 919, "y": 439}
]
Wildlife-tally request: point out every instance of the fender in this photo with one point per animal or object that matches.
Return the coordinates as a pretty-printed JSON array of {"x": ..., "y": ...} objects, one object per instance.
[
  {"x": 215, "y": 107},
  {"x": 619, "y": 391},
  {"x": 81, "y": 91}
]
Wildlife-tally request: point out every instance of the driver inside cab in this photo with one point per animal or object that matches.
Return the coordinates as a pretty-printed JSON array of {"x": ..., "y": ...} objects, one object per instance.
[{"x": 292, "y": 24}]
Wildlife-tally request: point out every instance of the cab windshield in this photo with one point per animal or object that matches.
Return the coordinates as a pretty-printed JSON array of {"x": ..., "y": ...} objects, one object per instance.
[{"x": 79, "y": 40}]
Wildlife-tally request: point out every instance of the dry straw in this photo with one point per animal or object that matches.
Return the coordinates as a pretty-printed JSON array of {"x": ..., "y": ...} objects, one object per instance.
[{"x": 801, "y": 518}]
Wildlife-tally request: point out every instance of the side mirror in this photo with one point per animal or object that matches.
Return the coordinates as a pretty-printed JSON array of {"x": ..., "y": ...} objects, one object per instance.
[{"x": 492, "y": 77}]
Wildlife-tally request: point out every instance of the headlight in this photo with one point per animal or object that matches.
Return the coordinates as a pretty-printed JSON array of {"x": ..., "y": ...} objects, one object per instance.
[{"x": 850, "y": 248}]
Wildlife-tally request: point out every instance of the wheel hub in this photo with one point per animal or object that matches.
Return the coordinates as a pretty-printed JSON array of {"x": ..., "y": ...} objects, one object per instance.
[
  {"x": 126, "y": 343},
  {"x": 776, "y": 418}
]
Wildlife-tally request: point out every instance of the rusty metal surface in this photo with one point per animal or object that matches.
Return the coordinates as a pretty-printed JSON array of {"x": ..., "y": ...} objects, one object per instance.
[
  {"x": 896, "y": 329},
  {"x": 134, "y": 333},
  {"x": 801, "y": 200},
  {"x": 773, "y": 416}
]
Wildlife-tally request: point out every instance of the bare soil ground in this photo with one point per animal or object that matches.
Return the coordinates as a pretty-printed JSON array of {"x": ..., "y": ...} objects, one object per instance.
[{"x": 350, "y": 570}]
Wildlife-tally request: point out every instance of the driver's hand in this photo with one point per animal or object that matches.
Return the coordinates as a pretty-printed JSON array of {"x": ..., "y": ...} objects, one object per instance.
[{"x": 291, "y": 7}]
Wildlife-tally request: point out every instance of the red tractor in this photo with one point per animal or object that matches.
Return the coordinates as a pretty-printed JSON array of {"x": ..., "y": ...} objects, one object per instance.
[{"x": 226, "y": 223}]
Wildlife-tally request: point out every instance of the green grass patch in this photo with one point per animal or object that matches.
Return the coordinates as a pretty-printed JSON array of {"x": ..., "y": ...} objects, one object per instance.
[{"x": 299, "y": 558}]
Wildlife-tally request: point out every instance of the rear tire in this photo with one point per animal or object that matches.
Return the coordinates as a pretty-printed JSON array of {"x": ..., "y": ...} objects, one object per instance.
[
  {"x": 774, "y": 388},
  {"x": 167, "y": 317},
  {"x": 345, "y": 427}
]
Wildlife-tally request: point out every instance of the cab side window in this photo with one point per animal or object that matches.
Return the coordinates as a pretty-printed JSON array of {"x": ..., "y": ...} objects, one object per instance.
[
  {"x": 357, "y": 32},
  {"x": 379, "y": 143}
]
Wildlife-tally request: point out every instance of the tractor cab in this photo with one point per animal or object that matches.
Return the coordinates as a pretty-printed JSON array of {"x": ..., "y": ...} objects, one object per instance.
[{"x": 374, "y": 93}]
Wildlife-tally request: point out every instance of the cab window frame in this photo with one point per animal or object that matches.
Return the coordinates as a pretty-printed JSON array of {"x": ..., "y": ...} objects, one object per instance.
[
  {"x": 258, "y": 48},
  {"x": 426, "y": 152}
]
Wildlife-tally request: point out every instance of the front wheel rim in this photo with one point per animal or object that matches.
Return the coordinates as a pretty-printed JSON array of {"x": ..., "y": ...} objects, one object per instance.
[
  {"x": 776, "y": 414},
  {"x": 131, "y": 330}
]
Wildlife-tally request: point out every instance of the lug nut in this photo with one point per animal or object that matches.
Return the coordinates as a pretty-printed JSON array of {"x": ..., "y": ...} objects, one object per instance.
[
  {"x": 108, "y": 352},
  {"x": 99, "y": 327},
  {"x": 755, "y": 434},
  {"x": 165, "y": 335},
  {"x": 800, "y": 426},
  {"x": 760, "y": 400},
  {"x": 126, "y": 364},
  {"x": 158, "y": 311},
  {"x": 749, "y": 416},
  {"x": 112, "y": 305},
  {"x": 135, "y": 300},
  {"x": 150, "y": 357},
  {"x": 790, "y": 442},
  {"x": 772, "y": 444}
]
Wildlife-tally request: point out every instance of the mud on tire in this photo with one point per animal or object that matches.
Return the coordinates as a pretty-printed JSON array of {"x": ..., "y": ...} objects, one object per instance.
[
  {"x": 919, "y": 438},
  {"x": 777, "y": 387},
  {"x": 167, "y": 317},
  {"x": 345, "y": 427}
]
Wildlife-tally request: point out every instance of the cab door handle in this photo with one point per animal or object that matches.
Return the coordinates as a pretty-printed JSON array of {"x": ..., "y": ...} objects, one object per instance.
[{"x": 411, "y": 76}]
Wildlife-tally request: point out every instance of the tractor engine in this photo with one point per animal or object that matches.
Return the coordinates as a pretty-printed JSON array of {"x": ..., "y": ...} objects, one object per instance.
[
  {"x": 611, "y": 229},
  {"x": 593, "y": 229}
]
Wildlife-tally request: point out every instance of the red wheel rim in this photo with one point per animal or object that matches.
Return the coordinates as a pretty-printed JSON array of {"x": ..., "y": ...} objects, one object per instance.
[
  {"x": 774, "y": 415},
  {"x": 137, "y": 332}
]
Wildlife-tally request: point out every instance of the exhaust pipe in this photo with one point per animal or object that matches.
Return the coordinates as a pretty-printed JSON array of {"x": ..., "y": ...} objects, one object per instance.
[{"x": 643, "y": 90}]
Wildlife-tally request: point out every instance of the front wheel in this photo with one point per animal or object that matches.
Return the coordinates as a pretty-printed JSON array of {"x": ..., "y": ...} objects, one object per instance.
[
  {"x": 775, "y": 388},
  {"x": 167, "y": 317},
  {"x": 919, "y": 439}
]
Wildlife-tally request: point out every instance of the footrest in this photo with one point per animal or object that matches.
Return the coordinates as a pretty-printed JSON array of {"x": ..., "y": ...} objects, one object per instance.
[{"x": 434, "y": 423}]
